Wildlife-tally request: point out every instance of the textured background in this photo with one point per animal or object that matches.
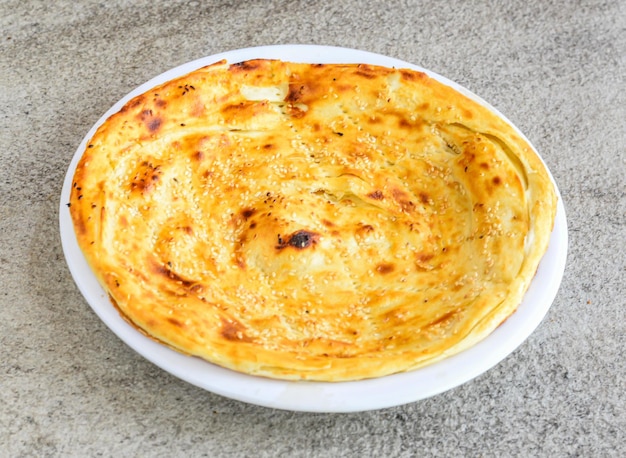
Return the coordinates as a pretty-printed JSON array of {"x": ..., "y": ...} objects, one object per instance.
[{"x": 69, "y": 387}]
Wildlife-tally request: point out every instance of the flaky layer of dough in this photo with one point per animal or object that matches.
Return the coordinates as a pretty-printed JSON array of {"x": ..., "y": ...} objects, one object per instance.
[{"x": 316, "y": 222}]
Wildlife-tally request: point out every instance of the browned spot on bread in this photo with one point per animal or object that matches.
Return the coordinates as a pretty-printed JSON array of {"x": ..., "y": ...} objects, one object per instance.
[
  {"x": 496, "y": 180},
  {"x": 421, "y": 261},
  {"x": 246, "y": 213},
  {"x": 142, "y": 186},
  {"x": 399, "y": 194},
  {"x": 239, "y": 107},
  {"x": 198, "y": 156},
  {"x": 163, "y": 271},
  {"x": 467, "y": 160},
  {"x": 402, "y": 198},
  {"x": 443, "y": 319},
  {"x": 197, "y": 288},
  {"x": 240, "y": 262},
  {"x": 424, "y": 198},
  {"x": 364, "y": 229},
  {"x": 295, "y": 112},
  {"x": 376, "y": 195},
  {"x": 425, "y": 257},
  {"x": 243, "y": 111},
  {"x": 366, "y": 72},
  {"x": 154, "y": 124},
  {"x": 403, "y": 122},
  {"x": 145, "y": 115},
  {"x": 246, "y": 66},
  {"x": 341, "y": 88},
  {"x": 132, "y": 104},
  {"x": 296, "y": 92},
  {"x": 328, "y": 223},
  {"x": 304, "y": 92},
  {"x": 146, "y": 177},
  {"x": 79, "y": 225},
  {"x": 412, "y": 75},
  {"x": 239, "y": 256},
  {"x": 234, "y": 331},
  {"x": 160, "y": 103},
  {"x": 175, "y": 322},
  {"x": 385, "y": 268},
  {"x": 484, "y": 165}
]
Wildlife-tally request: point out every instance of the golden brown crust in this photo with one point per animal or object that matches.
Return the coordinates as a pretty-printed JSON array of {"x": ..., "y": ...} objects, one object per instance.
[{"x": 318, "y": 222}]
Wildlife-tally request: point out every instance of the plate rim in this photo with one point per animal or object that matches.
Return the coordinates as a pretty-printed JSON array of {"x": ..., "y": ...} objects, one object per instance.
[{"x": 307, "y": 396}]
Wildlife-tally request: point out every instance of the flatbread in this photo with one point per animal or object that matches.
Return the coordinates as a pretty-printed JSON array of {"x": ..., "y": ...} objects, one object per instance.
[{"x": 312, "y": 221}]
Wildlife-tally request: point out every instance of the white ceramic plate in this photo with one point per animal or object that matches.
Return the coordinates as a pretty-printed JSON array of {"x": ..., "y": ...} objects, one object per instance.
[{"x": 320, "y": 396}]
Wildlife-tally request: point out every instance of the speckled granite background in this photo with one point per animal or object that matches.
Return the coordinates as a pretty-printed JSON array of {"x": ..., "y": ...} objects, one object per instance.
[{"x": 69, "y": 387}]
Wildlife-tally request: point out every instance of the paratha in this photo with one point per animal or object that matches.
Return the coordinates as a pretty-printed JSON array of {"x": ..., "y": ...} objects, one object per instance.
[{"x": 323, "y": 222}]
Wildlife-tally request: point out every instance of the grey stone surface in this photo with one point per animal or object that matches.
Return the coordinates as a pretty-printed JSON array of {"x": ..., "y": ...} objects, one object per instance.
[{"x": 69, "y": 387}]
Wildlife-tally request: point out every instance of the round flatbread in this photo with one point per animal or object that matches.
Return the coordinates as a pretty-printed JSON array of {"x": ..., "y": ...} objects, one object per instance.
[{"x": 312, "y": 221}]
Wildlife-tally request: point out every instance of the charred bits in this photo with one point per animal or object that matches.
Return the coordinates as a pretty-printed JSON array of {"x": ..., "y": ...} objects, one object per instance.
[{"x": 299, "y": 240}]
